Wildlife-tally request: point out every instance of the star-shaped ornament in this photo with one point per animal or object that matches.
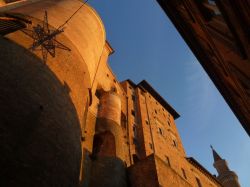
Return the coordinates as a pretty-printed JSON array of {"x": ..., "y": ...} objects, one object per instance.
[{"x": 44, "y": 39}]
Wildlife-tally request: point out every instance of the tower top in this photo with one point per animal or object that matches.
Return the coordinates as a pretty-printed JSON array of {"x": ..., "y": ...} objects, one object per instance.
[{"x": 215, "y": 154}]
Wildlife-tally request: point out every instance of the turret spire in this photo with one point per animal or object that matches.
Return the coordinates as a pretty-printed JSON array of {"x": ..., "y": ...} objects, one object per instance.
[
  {"x": 215, "y": 154},
  {"x": 227, "y": 177}
]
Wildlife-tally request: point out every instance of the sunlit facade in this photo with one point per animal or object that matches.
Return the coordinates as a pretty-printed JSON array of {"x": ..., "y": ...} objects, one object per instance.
[{"x": 65, "y": 118}]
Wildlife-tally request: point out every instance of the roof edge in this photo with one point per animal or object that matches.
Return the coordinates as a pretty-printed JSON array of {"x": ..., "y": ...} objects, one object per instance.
[
  {"x": 145, "y": 85},
  {"x": 196, "y": 164},
  {"x": 159, "y": 98}
]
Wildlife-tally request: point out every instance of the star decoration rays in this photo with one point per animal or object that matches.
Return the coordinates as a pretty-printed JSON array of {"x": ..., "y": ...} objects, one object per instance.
[{"x": 44, "y": 39}]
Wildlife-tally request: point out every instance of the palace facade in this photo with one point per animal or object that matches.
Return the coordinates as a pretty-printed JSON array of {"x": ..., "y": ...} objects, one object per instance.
[{"x": 66, "y": 120}]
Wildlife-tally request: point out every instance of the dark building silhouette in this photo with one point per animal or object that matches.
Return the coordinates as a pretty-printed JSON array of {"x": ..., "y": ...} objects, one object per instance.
[{"x": 217, "y": 31}]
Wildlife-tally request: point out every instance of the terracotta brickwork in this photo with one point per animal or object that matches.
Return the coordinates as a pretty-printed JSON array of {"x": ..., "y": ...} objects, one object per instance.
[{"x": 155, "y": 144}]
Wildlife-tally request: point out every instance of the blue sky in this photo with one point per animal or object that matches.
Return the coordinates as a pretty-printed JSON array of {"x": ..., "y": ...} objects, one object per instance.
[{"x": 147, "y": 46}]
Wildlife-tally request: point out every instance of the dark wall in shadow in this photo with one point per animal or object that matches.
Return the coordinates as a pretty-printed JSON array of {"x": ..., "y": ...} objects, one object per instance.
[
  {"x": 107, "y": 168},
  {"x": 104, "y": 144},
  {"x": 108, "y": 171},
  {"x": 39, "y": 128}
]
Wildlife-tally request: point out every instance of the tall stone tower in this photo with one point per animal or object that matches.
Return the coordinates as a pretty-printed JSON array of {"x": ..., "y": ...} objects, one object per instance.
[{"x": 227, "y": 177}]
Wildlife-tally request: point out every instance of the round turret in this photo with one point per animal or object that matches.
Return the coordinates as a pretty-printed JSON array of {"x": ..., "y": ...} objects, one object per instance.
[
  {"x": 110, "y": 107},
  {"x": 227, "y": 177},
  {"x": 43, "y": 101}
]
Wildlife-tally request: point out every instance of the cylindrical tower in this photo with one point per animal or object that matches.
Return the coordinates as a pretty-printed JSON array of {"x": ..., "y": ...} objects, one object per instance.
[
  {"x": 42, "y": 104},
  {"x": 110, "y": 107},
  {"x": 227, "y": 177},
  {"x": 109, "y": 119},
  {"x": 108, "y": 155}
]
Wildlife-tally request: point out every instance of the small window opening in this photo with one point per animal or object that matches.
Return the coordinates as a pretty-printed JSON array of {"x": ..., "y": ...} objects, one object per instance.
[
  {"x": 169, "y": 123},
  {"x": 168, "y": 160},
  {"x": 160, "y": 131},
  {"x": 151, "y": 146},
  {"x": 184, "y": 173},
  {"x": 174, "y": 143},
  {"x": 198, "y": 182},
  {"x": 133, "y": 112}
]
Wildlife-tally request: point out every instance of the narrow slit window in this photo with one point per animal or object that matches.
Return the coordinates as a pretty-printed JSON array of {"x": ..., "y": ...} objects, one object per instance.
[
  {"x": 198, "y": 182},
  {"x": 160, "y": 131},
  {"x": 168, "y": 160},
  {"x": 184, "y": 173},
  {"x": 169, "y": 124},
  {"x": 174, "y": 143}
]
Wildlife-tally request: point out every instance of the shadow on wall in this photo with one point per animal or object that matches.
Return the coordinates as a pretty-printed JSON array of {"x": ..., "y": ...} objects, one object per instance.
[
  {"x": 106, "y": 163},
  {"x": 39, "y": 128},
  {"x": 104, "y": 144}
]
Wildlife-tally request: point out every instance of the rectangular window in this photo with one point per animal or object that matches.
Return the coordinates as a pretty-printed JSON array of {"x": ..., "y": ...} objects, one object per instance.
[
  {"x": 160, "y": 131},
  {"x": 174, "y": 143},
  {"x": 133, "y": 112},
  {"x": 184, "y": 173},
  {"x": 198, "y": 182}
]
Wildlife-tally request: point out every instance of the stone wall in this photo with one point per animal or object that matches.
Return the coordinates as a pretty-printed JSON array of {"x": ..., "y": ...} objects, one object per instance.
[
  {"x": 108, "y": 172},
  {"x": 143, "y": 173},
  {"x": 39, "y": 119},
  {"x": 43, "y": 105},
  {"x": 85, "y": 30}
]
